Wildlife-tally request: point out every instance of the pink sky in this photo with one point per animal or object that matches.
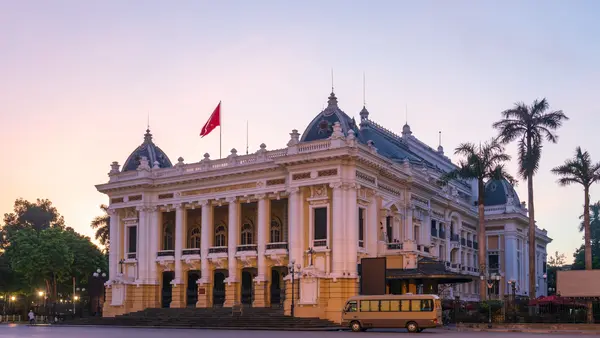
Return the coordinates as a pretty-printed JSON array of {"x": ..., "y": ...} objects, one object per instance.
[{"x": 78, "y": 79}]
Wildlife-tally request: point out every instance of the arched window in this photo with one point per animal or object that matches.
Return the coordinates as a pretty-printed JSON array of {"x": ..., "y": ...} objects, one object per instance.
[
  {"x": 221, "y": 235},
  {"x": 247, "y": 232},
  {"x": 276, "y": 230},
  {"x": 168, "y": 243},
  {"x": 194, "y": 238}
]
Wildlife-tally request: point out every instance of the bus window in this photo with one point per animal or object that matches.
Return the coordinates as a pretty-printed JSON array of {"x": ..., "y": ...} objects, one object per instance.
[
  {"x": 426, "y": 305},
  {"x": 369, "y": 306},
  {"x": 351, "y": 306},
  {"x": 415, "y": 305},
  {"x": 404, "y": 305},
  {"x": 394, "y": 305}
]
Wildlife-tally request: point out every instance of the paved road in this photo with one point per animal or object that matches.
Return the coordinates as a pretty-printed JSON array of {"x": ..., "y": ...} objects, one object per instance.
[{"x": 23, "y": 331}]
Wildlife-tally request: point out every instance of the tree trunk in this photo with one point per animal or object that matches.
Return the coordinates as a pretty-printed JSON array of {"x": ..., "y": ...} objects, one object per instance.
[
  {"x": 532, "y": 276},
  {"x": 588, "y": 247},
  {"x": 482, "y": 250}
]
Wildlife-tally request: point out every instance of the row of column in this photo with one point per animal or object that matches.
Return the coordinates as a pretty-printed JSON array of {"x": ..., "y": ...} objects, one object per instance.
[{"x": 344, "y": 235}]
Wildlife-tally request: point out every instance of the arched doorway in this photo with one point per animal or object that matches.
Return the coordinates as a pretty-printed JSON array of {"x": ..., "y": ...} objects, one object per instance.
[
  {"x": 167, "y": 288},
  {"x": 192, "y": 288},
  {"x": 247, "y": 289},
  {"x": 219, "y": 288}
]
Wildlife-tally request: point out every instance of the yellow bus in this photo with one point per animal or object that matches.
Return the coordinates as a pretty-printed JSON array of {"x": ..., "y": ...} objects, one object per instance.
[{"x": 413, "y": 312}]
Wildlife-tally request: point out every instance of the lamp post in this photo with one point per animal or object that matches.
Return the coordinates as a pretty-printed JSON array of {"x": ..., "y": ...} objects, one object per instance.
[
  {"x": 99, "y": 275},
  {"x": 293, "y": 269},
  {"x": 491, "y": 281}
]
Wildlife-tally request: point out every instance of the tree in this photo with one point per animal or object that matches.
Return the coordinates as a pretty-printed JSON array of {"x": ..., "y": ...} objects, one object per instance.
[
  {"x": 102, "y": 226},
  {"x": 38, "y": 216},
  {"x": 530, "y": 125},
  {"x": 481, "y": 163},
  {"x": 583, "y": 171},
  {"x": 559, "y": 259},
  {"x": 579, "y": 255},
  {"x": 555, "y": 263},
  {"x": 41, "y": 257}
]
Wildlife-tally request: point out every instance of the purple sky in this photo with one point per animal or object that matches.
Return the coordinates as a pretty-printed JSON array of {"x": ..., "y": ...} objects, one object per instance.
[{"x": 78, "y": 79}]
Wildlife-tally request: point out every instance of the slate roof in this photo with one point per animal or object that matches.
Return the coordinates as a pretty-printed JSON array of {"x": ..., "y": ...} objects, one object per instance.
[
  {"x": 498, "y": 192},
  {"x": 150, "y": 151}
]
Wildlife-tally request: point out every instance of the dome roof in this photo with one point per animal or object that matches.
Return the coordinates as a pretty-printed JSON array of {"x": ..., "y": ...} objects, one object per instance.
[
  {"x": 149, "y": 150},
  {"x": 500, "y": 192},
  {"x": 321, "y": 127}
]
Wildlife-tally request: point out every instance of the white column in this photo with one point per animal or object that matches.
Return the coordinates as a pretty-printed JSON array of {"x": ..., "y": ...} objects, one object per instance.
[
  {"x": 154, "y": 228},
  {"x": 142, "y": 252},
  {"x": 113, "y": 255},
  {"x": 372, "y": 229},
  {"x": 179, "y": 234},
  {"x": 232, "y": 240},
  {"x": 205, "y": 239},
  {"x": 336, "y": 234},
  {"x": 262, "y": 235},
  {"x": 408, "y": 222},
  {"x": 352, "y": 230},
  {"x": 294, "y": 224}
]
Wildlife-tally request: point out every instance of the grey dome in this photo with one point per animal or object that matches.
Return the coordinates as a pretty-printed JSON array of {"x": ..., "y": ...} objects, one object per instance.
[
  {"x": 498, "y": 192},
  {"x": 149, "y": 150}
]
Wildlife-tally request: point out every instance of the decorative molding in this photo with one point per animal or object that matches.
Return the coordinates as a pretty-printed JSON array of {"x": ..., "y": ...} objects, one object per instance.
[
  {"x": 300, "y": 176},
  {"x": 390, "y": 190},
  {"x": 364, "y": 177},
  {"x": 166, "y": 196},
  {"x": 231, "y": 199},
  {"x": 213, "y": 190},
  {"x": 335, "y": 185},
  {"x": 116, "y": 200},
  {"x": 327, "y": 173},
  {"x": 318, "y": 192},
  {"x": 134, "y": 198},
  {"x": 276, "y": 181},
  {"x": 293, "y": 190}
]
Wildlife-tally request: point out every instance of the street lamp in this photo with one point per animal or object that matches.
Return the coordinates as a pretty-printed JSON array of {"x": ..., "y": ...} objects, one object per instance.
[
  {"x": 293, "y": 269},
  {"x": 491, "y": 281},
  {"x": 99, "y": 274}
]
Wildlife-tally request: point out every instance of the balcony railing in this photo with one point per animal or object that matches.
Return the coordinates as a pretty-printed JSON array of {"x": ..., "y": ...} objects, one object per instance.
[
  {"x": 434, "y": 232},
  {"x": 193, "y": 251},
  {"x": 217, "y": 249},
  {"x": 454, "y": 237},
  {"x": 442, "y": 234},
  {"x": 274, "y": 246},
  {"x": 165, "y": 253},
  {"x": 463, "y": 241},
  {"x": 320, "y": 243},
  {"x": 469, "y": 243},
  {"x": 132, "y": 255},
  {"x": 394, "y": 246},
  {"x": 246, "y": 247},
  {"x": 475, "y": 245}
]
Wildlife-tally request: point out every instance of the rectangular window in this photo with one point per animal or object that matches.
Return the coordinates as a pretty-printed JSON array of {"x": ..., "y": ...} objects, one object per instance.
[
  {"x": 404, "y": 305},
  {"x": 369, "y": 306},
  {"x": 320, "y": 223},
  {"x": 494, "y": 262},
  {"x": 419, "y": 305},
  {"x": 132, "y": 239},
  {"x": 361, "y": 224},
  {"x": 388, "y": 228},
  {"x": 544, "y": 267}
]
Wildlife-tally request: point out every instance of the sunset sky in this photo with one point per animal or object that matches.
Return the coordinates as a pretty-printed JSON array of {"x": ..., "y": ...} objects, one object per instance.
[{"x": 79, "y": 78}]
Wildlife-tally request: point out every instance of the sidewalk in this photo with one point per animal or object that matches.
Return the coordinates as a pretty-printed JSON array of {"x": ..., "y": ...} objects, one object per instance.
[{"x": 575, "y": 329}]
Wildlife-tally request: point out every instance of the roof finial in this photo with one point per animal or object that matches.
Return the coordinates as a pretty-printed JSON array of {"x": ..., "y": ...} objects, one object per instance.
[
  {"x": 364, "y": 91},
  {"x": 440, "y": 138},
  {"x": 148, "y": 127},
  {"x": 406, "y": 113},
  {"x": 332, "y": 80}
]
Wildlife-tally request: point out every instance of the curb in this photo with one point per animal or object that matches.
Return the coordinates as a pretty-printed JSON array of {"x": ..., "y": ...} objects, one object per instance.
[
  {"x": 590, "y": 332},
  {"x": 203, "y": 328}
]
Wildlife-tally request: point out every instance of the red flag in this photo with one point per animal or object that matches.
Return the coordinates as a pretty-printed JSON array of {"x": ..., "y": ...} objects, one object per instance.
[{"x": 213, "y": 121}]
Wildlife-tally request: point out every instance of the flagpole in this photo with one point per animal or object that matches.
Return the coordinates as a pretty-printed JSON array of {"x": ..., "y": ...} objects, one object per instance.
[{"x": 220, "y": 129}]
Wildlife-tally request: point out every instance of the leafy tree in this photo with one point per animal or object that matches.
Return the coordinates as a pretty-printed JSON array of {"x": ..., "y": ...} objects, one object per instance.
[
  {"x": 39, "y": 215},
  {"x": 41, "y": 257},
  {"x": 583, "y": 171},
  {"x": 481, "y": 163},
  {"x": 530, "y": 125},
  {"x": 555, "y": 263},
  {"x": 579, "y": 255},
  {"x": 87, "y": 257},
  {"x": 102, "y": 226},
  {"x": 559, "y": 259}
]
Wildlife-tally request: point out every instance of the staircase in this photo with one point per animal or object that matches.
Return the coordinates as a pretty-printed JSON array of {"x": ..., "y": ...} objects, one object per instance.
[{"x": 245, "y": 318}]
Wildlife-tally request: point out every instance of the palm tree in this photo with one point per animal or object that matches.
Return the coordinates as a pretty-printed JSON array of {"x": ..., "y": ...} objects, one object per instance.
[
  {"x": 481, "y": 163},
  {"x": 530, "y": 125},
  {"x": 581, "y": 170},
  {"x": 102, "y": 226}
]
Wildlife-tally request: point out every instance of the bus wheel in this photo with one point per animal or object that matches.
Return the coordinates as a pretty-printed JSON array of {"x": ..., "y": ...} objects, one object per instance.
[
  {"x": 355, "y": 326},
  {"x": 412, "y": 327}
]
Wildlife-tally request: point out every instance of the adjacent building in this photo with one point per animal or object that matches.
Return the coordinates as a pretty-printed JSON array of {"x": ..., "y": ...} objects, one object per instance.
[{"x": 220, "y": 232}]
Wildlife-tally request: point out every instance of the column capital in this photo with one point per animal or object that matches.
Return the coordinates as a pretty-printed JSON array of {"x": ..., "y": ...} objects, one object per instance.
[
  {"x": 261, "y": 196},
  {"x": 204, "y": 202},
  {"x": 350, "y": 186},
  {"x": 146, "y": 208},
  {"x": 178, "y": 206},
  {"x": 335, "y": 185},
  {"x": 293, "y": 190},
  {"x": 112, "y": 211},
  {"x": 232, "y": 199}
]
